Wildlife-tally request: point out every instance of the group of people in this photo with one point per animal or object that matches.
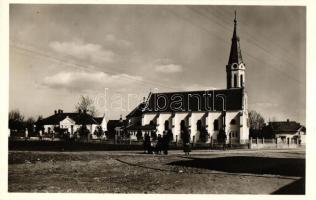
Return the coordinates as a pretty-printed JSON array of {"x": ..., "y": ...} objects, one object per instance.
[
  {"x": 158, "y": 146},
  {"x": 161, "y": 144}
]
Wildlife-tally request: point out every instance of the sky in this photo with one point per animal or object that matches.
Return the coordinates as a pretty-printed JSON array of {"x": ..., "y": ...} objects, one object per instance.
[{"x": 117, "y": 54}]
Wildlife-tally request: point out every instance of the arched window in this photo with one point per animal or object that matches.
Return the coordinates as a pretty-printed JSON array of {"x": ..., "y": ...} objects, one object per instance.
[
  {"x": 235, "y": 80},
  {"x": 166, "y": 125},
  {"x": 215, "y": 124},
  {"x": 182, "y": 124},
  {"x": 199, "y": 125},
  {"x": 241, "y": 80}
]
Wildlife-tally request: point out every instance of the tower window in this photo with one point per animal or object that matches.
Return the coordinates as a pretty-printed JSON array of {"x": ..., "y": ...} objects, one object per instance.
[
  {"x": 235, "y": 80},
  {"x": 241, "y": 80}
]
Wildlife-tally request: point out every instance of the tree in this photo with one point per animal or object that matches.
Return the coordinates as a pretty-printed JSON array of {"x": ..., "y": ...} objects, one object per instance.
[
  {"x": 85, "y": 104},
  {"x": 16, "y": 120},
  {"x": 29, "y": 124},
  {"x": 39, "y": 124},
  {"x": 256, "y": 120}
]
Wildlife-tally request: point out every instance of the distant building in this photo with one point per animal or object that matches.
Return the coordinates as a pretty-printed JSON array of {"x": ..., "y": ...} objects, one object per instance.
[
  {"x": 116, "y": 127},
  {"x": 71, "y": 122},
  {"x": 288, "y": 131},
  {"x": 199, "y": 112}
]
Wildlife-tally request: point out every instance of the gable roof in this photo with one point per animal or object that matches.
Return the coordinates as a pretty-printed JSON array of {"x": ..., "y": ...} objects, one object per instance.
[
  {"x": 195, "y": 101},
  {"x": 137, "y": 112},
  {"x": 98, "y": 119},
  {"x": 79, "y": 118},
  {"x": 286, "y": 127},
  {"x": 210, "y": 100}
]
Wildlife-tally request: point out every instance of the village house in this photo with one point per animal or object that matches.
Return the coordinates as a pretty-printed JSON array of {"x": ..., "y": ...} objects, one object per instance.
[
  {"x": 199, "y": 112},
  {"x": 71, "y": 122},
  {"x": 288, "y": 131}
]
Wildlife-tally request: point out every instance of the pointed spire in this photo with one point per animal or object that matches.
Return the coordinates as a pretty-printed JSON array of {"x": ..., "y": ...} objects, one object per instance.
[{"x": 235, "y": 52}]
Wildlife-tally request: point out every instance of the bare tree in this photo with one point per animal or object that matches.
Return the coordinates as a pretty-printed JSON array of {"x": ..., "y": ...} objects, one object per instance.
[
  {"x": 29, "y": 124},
  {"x": 85, "y": 104},
  {"x": 16, "y": 120},
  {"x": 256, "y": 120}
]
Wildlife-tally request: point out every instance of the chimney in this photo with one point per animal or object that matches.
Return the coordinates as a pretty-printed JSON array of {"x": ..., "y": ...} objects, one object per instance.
[
  {"x": 61, "y": 111},
  {"x": 84, "y": 111},
  {"x": 79, "y": 110},
  {"x": 287, "y": 120},
  {"x": 55, "y": 112}
]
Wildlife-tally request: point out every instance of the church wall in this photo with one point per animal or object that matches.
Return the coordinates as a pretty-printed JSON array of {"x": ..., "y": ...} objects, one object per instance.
[
  {"x": 161, "y": 122},
  {"x": 232, "y": 129},
  {"x": 210, "y": 123},
  {"x": 176, "y": 123},
  {"x": 148, "y": 117},
  {"x": 193, "y": 121},
  {"x": 244, "y": 129}
]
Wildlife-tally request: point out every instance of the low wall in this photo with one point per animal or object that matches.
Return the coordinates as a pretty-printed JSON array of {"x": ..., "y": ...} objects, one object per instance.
[{"x": 272, "y": 144}]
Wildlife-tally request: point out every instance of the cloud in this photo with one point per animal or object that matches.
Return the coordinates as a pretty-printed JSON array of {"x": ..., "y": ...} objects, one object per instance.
[
  {"x": 86, "y": 81},
  {"x": 166, "y": 66},
  {"x": 112, "y": 39},
  {"x": 94, "y": 53},
  {"x": 265, "y": 105}
]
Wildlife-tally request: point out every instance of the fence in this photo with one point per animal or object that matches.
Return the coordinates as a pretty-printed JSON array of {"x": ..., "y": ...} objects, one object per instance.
[
  {"x": 275, "y": 143},
  {"x": 128, "y": 143}
]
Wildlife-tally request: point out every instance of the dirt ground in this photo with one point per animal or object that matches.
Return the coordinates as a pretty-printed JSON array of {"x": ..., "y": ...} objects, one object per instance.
[{"x": 212, "y": 172}]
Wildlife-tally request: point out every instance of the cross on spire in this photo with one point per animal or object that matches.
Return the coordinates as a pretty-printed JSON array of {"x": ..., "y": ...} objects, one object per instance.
[{"x": 235, "y": 20}]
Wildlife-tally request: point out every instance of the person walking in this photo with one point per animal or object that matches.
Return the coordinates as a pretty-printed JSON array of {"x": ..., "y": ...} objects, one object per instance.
[
  {"x": 222, "y": 138},
  {"x": 165, "y": 142},
  {"x": 186, "y": 142},
  {"x": 159, "y": 144},
  {"x": 146, "y": 143}
]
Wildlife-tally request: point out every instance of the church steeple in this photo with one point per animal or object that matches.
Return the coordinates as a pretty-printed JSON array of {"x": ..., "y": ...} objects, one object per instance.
[
  {"x": 235, "y": 68},
  {"x": 235, "y": 52}
]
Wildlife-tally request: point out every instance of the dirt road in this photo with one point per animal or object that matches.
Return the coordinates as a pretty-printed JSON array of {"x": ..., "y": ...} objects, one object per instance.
[{"x": 212, "y": 172}]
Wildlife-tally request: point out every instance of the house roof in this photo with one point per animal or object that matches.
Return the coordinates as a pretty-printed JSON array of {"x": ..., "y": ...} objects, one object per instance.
[
  {"x": 134, "y": 127},
  {"x": 286, "y": 127},
  {"x": 112, "y": 124},
  {"x": 98, "y": 119},
  {"x": 79, "y": 118}
]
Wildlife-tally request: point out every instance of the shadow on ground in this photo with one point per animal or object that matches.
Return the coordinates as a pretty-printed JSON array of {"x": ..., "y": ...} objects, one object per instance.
[
  {"x": 297, "y": 187},
  {"x": 251, "y": 165}
]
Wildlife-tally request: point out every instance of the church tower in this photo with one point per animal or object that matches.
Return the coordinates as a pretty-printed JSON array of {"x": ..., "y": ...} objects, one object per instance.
[{"x": 235, "y": 69}]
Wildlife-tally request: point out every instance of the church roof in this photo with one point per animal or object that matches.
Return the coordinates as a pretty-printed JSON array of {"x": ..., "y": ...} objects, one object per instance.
[
  {"x": 235, "y": 52},
  {"x": 191, "y": 101}
]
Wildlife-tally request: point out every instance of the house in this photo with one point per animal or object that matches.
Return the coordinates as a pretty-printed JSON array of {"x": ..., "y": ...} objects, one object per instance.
[
  {"x": 202, "y": 113},
  {"x": 71, "y": 122},
  {"x": 288, "y": 131},
  {"x": 116, "y": 127}
]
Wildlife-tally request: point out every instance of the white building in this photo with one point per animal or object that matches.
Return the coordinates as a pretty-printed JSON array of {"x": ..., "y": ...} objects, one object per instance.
[
  {"x": 71, "y": 122},
  {"x": 200, "y": 111}
]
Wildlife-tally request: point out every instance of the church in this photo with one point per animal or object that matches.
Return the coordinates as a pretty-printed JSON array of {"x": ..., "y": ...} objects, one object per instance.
[{"x": 202, "y": 113}]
